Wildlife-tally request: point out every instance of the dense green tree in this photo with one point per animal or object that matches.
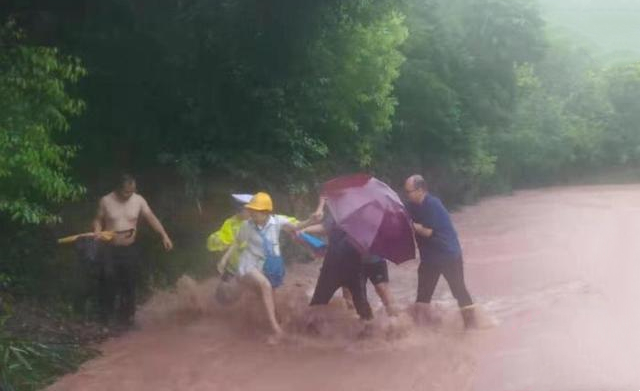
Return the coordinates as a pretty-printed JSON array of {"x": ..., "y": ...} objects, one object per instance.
[
  {"x": 458, "y": 88},
  {"x": 623, "y": 136},
  {"x": 34, "y": 166},
  {"x": 201, "y": 97}
]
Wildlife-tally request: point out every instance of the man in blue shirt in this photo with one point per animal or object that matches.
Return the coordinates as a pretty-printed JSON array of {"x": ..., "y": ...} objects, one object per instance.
[{"x": 440, "y": 251}]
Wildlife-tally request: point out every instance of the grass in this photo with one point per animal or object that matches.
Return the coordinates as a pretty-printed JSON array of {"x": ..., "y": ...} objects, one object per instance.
[{"x": 29, "y": 365}]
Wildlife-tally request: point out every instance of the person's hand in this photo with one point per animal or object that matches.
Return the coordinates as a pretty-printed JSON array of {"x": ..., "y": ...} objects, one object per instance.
[
  {"x": 423, "y": 231},
  {"x": 167, "y": 243},
  {"x": 316, "y": 217}
]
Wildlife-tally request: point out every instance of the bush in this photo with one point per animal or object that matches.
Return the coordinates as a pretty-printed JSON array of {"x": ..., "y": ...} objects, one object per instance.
[{"x": 28, "y": 365}]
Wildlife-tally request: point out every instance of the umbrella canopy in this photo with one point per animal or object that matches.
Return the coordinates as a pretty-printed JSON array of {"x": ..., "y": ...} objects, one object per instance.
[{"x": 372, "y": 215}]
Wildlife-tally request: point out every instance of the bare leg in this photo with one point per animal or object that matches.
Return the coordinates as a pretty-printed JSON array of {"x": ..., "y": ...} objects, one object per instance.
[
  {"x": 348, "y": 299},
  {"x": 382, "y": 289},
  {"x": 262, "y": 286}
]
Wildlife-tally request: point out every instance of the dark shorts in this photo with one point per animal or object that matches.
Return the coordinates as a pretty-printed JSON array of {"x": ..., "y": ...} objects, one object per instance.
[{"x": 376, "y": 272}]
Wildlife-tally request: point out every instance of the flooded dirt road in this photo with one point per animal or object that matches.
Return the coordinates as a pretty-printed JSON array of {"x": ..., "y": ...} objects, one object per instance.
[{"x": 556, "y": 272}]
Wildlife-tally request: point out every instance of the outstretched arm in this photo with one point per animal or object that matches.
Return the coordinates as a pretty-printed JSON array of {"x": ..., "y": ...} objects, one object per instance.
[
  {"x": 319, "y": 212},
  {"x": 316, "y": 229},
  {"x": 313, "y": 219}
]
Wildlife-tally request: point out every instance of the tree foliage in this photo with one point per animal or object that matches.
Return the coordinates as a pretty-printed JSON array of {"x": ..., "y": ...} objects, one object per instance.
[{"x": 35, "y": 109}]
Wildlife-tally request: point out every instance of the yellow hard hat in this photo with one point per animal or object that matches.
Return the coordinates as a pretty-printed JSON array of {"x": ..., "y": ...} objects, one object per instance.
[{"x": 261, "y": 202}]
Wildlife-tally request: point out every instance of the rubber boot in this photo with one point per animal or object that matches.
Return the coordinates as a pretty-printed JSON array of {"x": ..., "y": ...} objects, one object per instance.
[{"x": 469, "y": 317}]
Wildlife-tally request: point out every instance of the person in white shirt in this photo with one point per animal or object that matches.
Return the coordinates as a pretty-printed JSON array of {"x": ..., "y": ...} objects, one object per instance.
[{"x": 259, "y": 244}]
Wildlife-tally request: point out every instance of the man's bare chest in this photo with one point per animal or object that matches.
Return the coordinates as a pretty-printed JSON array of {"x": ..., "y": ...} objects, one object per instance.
[{"x": 121, "y": 212}]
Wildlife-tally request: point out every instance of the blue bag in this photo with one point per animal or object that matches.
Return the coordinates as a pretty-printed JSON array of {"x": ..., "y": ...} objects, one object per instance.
[
  {"x": 314, "y": 242},
  {"x": 273, "y": 267}
]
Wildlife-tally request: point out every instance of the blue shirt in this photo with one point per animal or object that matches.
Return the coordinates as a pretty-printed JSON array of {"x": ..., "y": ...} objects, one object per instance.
[{"x": 443, "y": 244}]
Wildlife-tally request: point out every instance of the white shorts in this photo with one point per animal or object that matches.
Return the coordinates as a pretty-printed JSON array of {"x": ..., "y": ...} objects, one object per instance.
[{"x": 247, "y": 264}]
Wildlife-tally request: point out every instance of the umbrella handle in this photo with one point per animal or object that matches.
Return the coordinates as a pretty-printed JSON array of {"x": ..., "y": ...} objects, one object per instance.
[
  {"x": 127, "y": 233},
  {"x": 73, "y": 238}
]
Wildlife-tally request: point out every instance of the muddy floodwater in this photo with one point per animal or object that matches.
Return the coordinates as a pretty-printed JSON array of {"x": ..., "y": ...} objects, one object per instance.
[{"x": 556, "y": 273}]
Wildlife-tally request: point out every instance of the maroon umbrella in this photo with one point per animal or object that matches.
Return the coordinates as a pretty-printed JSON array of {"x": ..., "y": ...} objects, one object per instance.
[{"x": 372, "y": 215}]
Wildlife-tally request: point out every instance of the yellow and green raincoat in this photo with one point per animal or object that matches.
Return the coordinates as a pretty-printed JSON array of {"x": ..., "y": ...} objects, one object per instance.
[{"x": 224, "y": 237}]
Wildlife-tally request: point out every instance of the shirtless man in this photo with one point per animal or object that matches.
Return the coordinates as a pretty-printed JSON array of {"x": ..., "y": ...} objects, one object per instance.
[{"x": 119, "y": 211}]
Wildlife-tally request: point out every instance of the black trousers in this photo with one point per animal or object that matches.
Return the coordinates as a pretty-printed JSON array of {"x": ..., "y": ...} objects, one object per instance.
[
  {"x": 342, "y": 267},
  {"x": 453, "y": 271},
  {"x": 117, "y": 277}
]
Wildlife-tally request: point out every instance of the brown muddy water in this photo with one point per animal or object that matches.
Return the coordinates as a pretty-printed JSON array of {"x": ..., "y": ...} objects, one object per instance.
[{"x": 555, "y": 271}]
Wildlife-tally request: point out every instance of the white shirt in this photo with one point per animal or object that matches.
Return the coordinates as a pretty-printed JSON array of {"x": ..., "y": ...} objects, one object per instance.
[{"x": 252, "y": 254}]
